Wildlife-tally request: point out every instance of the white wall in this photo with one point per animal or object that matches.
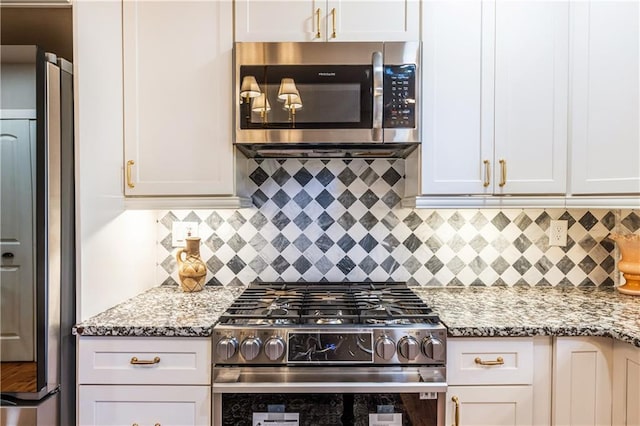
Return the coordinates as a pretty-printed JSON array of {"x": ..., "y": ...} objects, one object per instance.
[{"x": 116, "y": 256}]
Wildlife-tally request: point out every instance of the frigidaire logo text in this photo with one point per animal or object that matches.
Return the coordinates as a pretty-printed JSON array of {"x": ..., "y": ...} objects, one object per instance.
[{"x": 327, "y": 74}]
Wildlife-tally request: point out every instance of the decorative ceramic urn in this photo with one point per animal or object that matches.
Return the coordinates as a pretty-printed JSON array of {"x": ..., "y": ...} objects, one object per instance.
[
  {"x": 629, "y": 263},
  {"x": 192, "y": 270}
]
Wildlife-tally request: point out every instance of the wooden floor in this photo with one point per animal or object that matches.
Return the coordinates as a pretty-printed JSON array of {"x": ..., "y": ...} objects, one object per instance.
[{"x": 18, "y": 377}]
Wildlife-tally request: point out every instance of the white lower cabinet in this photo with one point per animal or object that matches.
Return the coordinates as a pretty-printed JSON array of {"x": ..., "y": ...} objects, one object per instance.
[
  {"x": 144, "y": 381},
  {"x": 106, "y": 405},
  {"x": 582, "y": 371},
  {"x": 626, "y": 384},
  {"x": 492, "y": 381}
]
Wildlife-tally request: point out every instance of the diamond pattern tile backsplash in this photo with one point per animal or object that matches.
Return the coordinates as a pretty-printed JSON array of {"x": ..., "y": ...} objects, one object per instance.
[{"x": 338, "y": 220}]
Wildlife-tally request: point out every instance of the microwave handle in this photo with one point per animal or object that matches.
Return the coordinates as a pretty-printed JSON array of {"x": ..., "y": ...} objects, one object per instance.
[{"x": 376, "y": 131}]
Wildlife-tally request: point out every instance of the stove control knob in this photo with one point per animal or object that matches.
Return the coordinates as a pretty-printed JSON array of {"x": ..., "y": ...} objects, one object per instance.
[
  {"x": 408, "y": 348},
  {"x": 433, "y": 348},
  {"x": 226, "y": 348},
  {"x": 385, "y": 348},
  {"x": 274, "y": 348},
  {"x": 250, "y": 348}
]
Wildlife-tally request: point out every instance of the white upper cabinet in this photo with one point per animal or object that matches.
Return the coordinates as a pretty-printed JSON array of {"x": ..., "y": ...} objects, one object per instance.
[
  {"x": 327, "y": 20},
  {"x": 177, "y": 99},
  {"x": 495, "y": 97},
  {"x": 605, "y": 102}
]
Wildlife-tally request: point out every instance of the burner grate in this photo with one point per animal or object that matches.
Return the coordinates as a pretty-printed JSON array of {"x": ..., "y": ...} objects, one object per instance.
[{"x": 328, "y": 304}]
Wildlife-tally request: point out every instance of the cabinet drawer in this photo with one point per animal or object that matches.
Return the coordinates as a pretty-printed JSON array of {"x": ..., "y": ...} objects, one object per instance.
[
  {"x": 144, "y": 405},
  {"x": 469, "y": 361},
  {"x": 126, "y": 360}
]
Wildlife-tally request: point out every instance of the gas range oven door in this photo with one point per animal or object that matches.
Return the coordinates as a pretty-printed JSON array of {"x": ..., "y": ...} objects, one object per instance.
[{"x": 346, "y": 395}]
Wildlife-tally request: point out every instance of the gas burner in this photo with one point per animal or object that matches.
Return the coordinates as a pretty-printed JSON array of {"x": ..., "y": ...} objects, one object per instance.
[
  {"x": 322, "y": 317},
  {"x": 276, "y": 309},
  {"x": 397, "y": 321},
  {"x": 272, "y": 321}
]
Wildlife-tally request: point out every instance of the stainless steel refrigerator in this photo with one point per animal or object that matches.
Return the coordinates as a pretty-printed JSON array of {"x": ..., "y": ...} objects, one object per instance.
[{"x": 37, "y": 238}]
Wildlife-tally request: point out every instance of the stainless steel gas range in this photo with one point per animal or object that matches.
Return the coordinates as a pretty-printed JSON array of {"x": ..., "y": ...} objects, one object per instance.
[{"x": 368, "y": 350}]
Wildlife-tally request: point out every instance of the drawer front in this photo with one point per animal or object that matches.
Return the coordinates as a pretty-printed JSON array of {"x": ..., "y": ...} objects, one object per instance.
[
  {"x": 141, "y": 361},
  {"x": 144, "y": 405},
  {"x": 487, "y": 361}
]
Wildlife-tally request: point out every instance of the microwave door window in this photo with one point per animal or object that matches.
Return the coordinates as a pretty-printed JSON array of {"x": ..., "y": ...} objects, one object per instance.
[{"x": 309, "y": 97}]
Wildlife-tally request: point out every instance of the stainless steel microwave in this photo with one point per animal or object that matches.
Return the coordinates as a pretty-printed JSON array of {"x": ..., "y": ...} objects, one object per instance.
[{"x": 357, "y": 99}]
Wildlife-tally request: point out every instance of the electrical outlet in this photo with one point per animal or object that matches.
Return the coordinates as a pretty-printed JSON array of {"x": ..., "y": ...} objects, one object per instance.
[
  {"x": 558, "y": 233},
  {"x": 181, "y": 230}
]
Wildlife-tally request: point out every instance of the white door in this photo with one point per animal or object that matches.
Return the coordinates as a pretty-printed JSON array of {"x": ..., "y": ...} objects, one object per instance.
[
  {"x": 280, "y": 20},
  {"x": 605, "y": 97},
  {"x": 490, "y": 405},
  {"x": 17, "y": 278},
  {"x": 374, "y": 20},
  {"x": 582, "y": 370},
  {"x": 457, "y": 148},
  {"x": 531, "y": 78},
  {"x": 115, "y": 405},
  {"x": 178, "y": 98},
  {"x": 626, "y": 384}
]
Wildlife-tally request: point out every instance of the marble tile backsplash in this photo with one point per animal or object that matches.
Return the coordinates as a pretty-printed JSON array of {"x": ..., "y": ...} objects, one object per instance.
[{"x": 338, "y": 220}]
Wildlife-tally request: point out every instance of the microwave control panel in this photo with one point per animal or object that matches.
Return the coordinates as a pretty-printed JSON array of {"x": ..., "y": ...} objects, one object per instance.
[{"x": 399, "y": 96}]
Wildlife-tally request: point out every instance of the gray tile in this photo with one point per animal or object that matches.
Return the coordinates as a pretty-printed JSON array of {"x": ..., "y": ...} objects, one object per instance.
[
  {"x": 609, "y": 221},
  {"x": 168, "y": 219},
  {"x": 302, "y": 221},
  {"x": 280, "y": 198},
  {"x": 456, "y": 243},
  {"x": 280, "y": 242},
  {"x": 608, "y": 264},
  {"x": 390, "y": 265},
  {"x": 259, "y": 198},
  {"x": 324, "y": 243},
  {"x": 236, "y": 264},
  {"x": 456, "y": 221},
  {"x": 412, "y": 265},
  {"x": 390, "y": 243},
  {"x": 302, "y": 265},
  {"x": 522, "y": 243},
  {"x": 500, "y": 221},
  {"x": 280, "y": 264},
  {"x": 478, "y": 243},
  {"x": 565, "y": 265},
  {"x": 325, "y": 177},
  {"x": 302, "y": 242},
  {"x": 167, "y": 243},
  {"x": 631, "y": 222},
  {"x": 258, "y": 221},
  {"x": 258, "y": 242},
  {"x": 236, "y": 242},
  {"x": 368, "y": 265},
  {"x": 569, "y": 218},
  {"x": 280, "y": 220},
  {"x": 391, "y": 176},
  {"x": 303, "y": 177},
  {"x": 543, "y": 220},
  {"x": 587, "y": 243},
  {"x": 347, "y": 199},
  {"x": 259, "y": 176},
  {"x": 192, "y": 217},
  {"x": 587, "y": 264},
  {"x": 369, "y": 198},
  {"x": 346, "y": 243},
  {"x": 588, "y": 221},
  {"x": 434, "y": 264},
  {"x": 478, "y": 265},
  {"x": 280, "y": 176},
  {"x": 214, "y": 242},
  {"x": 368, "y": 221},
  {"x": 543, "y": 265},
  {"x": 346, "y": 265},
  {"x": 390, "y": 221},
  {"x": 412, "y": 243},
  {"x": 214, "y": 264},
  {"x": 523, "y": 221},
  {"x": 324, "y": 221},
  {"x": 479, "y": 221},
  {"x": 325, "y": 199},
  {"x": 434, "y": 243},
  {"x": 368, "y": 243},
  {"x": 434, "y": 220},
  {"x": 169, "y": 282},
  {"x": 324, "y": 265},
  {"x": 347, "y": 176},
  {"x": 412, "y": 221},
  {"x": 214, "y": 221},
  {"x": 369, "y": 176},
  {"x": 499, "y": 265},
  {"x": 169, "y": 264},
  {"x": 258, "y": 265},
  {"x": 302, "y": 199},
  {"x": 522, "y": 265},
  {"x": 346, "y": 221},
  {"x": 391, "y": 199}
]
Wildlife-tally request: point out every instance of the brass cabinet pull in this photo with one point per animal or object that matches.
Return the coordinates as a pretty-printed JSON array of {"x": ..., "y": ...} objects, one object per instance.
[
  {"x": 487, "y": 173},
  {"x": 318, "y": 35},
  {"x": 498, "y": 361},
  {"x": 333, "y": 20},
  {"x": 456, "y": 413},
  {"x": 503, "y": 173},
  {"x": 136, "y": 361},
  {"x": 129, "y": 164}
]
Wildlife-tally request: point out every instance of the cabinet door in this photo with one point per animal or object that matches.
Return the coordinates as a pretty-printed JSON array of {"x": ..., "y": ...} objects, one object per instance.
[
  {"x": 605, "y": 102},
  {"x": 490, "y": 405},
  {"x": 327, "y": 20},
  {"x": 177, "y": 98},
  {"x": 582, "y": 381},
  {"x": 531, "y": 77},
  {"x": 626, "y": 384},
  {"x": 281, "y": 20},
  {"x": 457, "y": 101},
  {"x": 144, "y": 405},
  {"x": 376, "y": 20}
]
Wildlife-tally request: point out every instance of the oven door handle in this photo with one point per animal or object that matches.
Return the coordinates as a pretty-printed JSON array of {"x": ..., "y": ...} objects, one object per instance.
[
  {"x": 376, "y": 131},
  {"x": 330, "y": 387}
]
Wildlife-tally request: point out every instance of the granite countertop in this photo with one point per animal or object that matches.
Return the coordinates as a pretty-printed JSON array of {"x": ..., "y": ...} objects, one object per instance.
[
  {"x": 536, "y": 311},
  {"x": 466, "y": 311},
  {"x": 162, "y": 311}
]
